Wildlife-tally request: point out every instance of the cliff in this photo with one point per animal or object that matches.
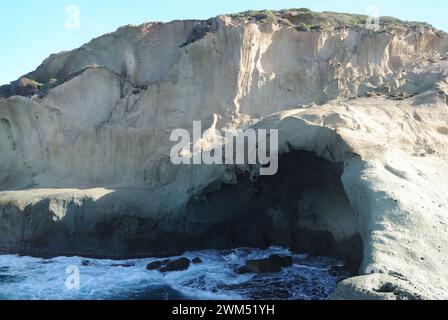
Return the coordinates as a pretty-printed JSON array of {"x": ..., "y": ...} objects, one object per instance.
[{"x": 363, "y": 128}]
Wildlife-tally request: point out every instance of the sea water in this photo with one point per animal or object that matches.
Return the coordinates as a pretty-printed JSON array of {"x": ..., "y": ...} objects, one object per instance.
[{"x": 215, "y": 278}]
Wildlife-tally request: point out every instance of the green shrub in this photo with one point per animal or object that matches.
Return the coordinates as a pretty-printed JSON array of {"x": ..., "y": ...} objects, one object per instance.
[
  {"x": 303, "y": 27},
  {"x": 319, "y": 20},
  {"x": 42, "y": 87},
  {"x": 258, "y": 15},
  {"x": 301, "y": 10}
]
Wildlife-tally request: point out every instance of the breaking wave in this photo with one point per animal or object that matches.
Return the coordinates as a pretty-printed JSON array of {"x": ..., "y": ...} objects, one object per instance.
[{"x": 214, "y": 279}]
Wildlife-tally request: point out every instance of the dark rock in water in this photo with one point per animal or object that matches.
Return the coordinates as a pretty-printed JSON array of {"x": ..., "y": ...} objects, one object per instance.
[
  {"x": 86, "y": 263},
  {"x": 176, "y": 265},
  {"x": 263, "y": 266},
  {"x": 282, "y": 260},
  {"x": 123, "y": 265},
  {"x": 169, "y": 265},
  {"x": 242, "y": 270},
  {"x": 155, "y": 265},
  {"x": 274, "y": 263},
  {"x": 339, "y": 272},
  {"x": 336, "y": 270},
  {"x": 153, "y": 293},
  {"x": 4, "y": 269},
  {"x": 196, "y": 260}
]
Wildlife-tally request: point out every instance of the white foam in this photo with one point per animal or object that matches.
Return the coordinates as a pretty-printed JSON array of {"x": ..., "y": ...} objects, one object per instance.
[{"x": 215, "y": 278}]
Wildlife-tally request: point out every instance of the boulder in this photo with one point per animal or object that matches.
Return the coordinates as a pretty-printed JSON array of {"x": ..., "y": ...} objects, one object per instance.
[
  {"x": 282, "y": 260},
  {"x": 274, "y": 263},
  {"x": 197, "y": 260},
  {"x": 262, "y": 266},
  {"x": 180, "y": 264},
  {"x": 242, "y": 270},
  {"x": 169, "y": 265},
  {"x": 155, "y": 265}
]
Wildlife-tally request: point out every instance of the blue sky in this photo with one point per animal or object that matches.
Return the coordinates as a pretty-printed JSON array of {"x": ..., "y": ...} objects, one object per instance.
[{"x": 30, "y": 30}]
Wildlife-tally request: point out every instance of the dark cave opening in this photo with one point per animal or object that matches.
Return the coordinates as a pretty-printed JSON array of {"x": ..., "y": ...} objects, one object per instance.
[{"x": 303, "y": 207}]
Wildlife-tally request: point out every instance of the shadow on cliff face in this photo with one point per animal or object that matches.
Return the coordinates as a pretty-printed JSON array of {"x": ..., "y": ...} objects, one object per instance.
[{"x": 303, "y": 206}]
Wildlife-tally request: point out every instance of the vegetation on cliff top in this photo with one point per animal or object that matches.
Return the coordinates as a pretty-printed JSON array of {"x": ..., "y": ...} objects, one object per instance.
[{"x": 304, "y": 19}]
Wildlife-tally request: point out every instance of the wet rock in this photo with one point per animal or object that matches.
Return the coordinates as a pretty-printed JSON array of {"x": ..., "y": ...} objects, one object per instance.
[
  {"x": 274, "y": 263},
  {"x": 339, "y": 272},
  {"x": 242, "y": 270},
  {"x": 123, "y": 265},
  {"x": 282, "y": 260},
  {"x": 180, "y": 264},
  {"x": 86, "y": 263},
  {"x": 336, "y": 271},
  {"x": 197, "y": 260},
  {"x": 262, "y": 266},
  {"x": 155, "y": 265},
  {"x": 169, "y": 265}
]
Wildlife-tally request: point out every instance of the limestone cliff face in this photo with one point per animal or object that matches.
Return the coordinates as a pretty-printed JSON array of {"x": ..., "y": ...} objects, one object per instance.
[{"x": 85, "y": 169}]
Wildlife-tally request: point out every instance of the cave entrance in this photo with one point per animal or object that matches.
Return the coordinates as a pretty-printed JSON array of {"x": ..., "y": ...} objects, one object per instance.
[{"x": 304, "y": 207}]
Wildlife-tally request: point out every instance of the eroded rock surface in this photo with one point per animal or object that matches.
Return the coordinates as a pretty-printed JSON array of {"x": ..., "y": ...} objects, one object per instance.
[{"x": 363, "y": 128}]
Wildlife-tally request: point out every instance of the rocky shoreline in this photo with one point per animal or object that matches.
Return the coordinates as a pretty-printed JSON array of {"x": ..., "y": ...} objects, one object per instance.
[
  {"x": 362, "y": 123},
  {"x": 216, "y": 278}
]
